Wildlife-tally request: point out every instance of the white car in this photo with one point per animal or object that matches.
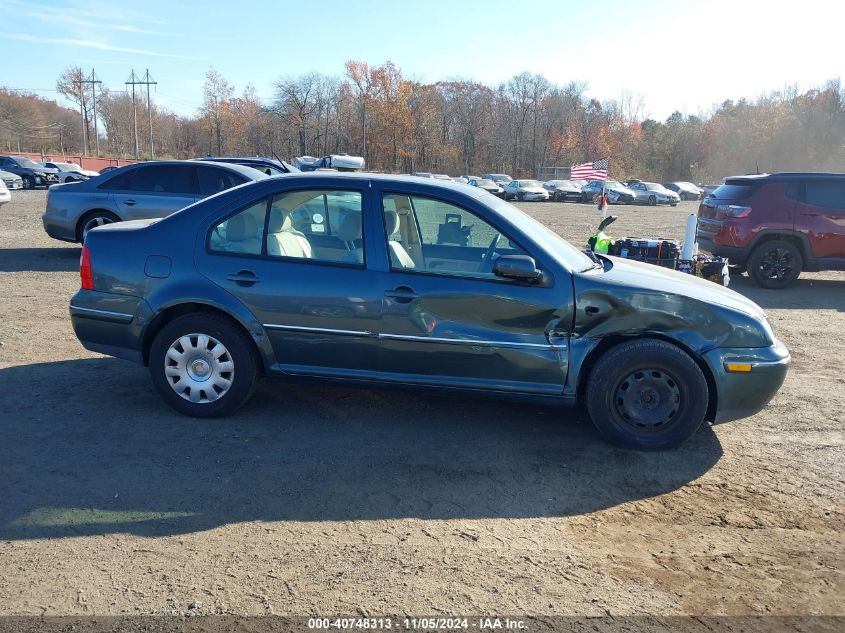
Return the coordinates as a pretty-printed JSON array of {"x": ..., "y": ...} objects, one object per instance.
[
  {"x": 71, "y": 172},
  {"x": 525, "y": 190},
  {"x": 5, "y": 196},
  {"x": 11, "y": 181},
  {"x": 652, "y": 193}
]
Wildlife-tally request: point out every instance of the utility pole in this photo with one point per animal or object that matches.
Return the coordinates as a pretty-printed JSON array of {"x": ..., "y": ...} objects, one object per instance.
[
  {"x": 79, "y": 83},
  {"x": 148, "y": 81},
  {"x": 133, "y": 80},
  {"x": 94, "y": 81}
]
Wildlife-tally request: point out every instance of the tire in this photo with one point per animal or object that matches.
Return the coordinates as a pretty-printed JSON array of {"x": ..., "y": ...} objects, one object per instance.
[
  {"x": 774, "y": 264},
  {"x": 652, "y": 201},
  {"x": 520, "y": 197},
  {"x": 669, "y": 378},
  {"x": 585, "y": 197},
  {"x": 92, "y": 220},
  {"x": 28, "y": 182},
  {"x": 214, "y": 383}
]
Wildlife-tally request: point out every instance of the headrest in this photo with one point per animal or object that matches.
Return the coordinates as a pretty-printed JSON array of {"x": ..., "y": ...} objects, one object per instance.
[
  {"x": 350, "y": 228},
  {"x": 241, "y": 227},
  {"x": 391, "y": 222},
  {"x": 279, "y": 219}
]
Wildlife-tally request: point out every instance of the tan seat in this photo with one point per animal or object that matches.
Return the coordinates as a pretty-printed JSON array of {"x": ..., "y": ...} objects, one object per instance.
[
  {"x": 350, "y": 230},
  {"x": 242, "y": 235},
  {"x": 282, "y": 239},
  {"x": 399, "y": 257}
]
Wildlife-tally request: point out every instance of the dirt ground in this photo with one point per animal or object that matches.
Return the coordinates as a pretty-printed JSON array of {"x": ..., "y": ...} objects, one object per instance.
[{"x": 323, "y": 501}]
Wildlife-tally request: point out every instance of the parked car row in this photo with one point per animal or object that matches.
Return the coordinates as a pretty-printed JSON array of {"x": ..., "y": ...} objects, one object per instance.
[{"x": 31, "y": 173}]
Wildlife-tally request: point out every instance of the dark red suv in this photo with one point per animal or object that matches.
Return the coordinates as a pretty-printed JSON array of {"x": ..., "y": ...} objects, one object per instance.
[{"x": 776, "y": 225}]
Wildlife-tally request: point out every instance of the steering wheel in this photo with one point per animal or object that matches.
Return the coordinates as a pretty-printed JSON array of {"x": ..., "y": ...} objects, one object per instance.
[{"x": 487, "y": 263}]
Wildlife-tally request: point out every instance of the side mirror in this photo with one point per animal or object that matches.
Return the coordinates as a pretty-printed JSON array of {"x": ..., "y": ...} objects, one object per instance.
[{"x": 520, "y": 267}]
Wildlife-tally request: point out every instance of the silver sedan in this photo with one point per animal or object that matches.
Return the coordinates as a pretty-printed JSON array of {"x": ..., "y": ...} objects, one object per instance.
[{"x": 652, "y": 193}]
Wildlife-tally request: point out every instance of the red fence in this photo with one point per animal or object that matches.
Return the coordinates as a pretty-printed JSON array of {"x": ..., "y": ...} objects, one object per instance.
[{"x": 86, "y": 162}]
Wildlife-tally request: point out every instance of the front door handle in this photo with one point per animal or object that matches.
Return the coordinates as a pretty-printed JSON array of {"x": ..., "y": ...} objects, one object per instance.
[
  {"x": 243, "y": 278},
  {"x": 402, "y": 294},
  {"x": 129, "y": 203}
]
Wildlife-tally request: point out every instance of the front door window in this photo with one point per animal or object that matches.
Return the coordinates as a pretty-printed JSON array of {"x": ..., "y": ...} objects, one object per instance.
[{"x": 426, "y": 235}]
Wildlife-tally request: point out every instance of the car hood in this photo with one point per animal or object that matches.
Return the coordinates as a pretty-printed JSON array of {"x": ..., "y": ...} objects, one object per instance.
[
  {"x": 533, "y": 189},
  {"x": 45, "y": 170},
  {"x": 664, "y": 280},
  {"x": 632, "y": 297}
]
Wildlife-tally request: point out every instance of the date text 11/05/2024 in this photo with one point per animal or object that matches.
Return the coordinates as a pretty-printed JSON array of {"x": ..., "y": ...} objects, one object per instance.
[{"x": 418, "y": 624}]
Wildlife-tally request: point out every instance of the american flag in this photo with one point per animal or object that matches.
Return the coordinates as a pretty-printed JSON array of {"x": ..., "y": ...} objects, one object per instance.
[{"x": 590, "y": 171}]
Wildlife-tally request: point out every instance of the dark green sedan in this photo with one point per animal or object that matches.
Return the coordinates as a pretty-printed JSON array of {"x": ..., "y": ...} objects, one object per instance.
[{"x": 375, "y": 280}]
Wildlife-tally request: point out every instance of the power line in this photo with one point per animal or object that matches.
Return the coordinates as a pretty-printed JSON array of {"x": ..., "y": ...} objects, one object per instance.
[{"x": 147, "y": 81}]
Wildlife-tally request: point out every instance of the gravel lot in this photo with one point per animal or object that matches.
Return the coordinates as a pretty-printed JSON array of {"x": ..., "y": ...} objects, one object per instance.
[{"x": 318, "y": 500}]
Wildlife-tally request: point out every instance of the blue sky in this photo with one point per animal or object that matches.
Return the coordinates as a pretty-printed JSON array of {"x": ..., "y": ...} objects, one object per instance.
[{"x": 669, "y": 55}]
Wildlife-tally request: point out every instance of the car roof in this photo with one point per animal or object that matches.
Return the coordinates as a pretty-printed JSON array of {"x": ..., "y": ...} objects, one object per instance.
[
  {"x": 786, "y": 175},
  {"x": 247, "y": 172}
]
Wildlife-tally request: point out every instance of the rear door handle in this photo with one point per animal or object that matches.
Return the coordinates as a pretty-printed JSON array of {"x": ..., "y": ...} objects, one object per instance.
[
  {"x": 129, "y": 202},
  {"x": 243, "y": 278},
  {"x": 402, "y": 294}
]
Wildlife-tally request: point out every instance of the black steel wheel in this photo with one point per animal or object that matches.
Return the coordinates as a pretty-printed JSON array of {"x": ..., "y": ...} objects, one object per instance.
[
  {"x": 775, "y": 264},
  {"x": 647, "y": 394}
]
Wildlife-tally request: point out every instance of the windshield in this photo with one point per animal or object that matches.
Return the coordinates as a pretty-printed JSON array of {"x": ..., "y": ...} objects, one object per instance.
[
  {"x": 29, "y": 164},
  {"x": 529, "y": 183},
  {"x": 484, "y": 182},
  {"x": 734, "y": 190},
  {"x": 500, "y": 178},
  {"x": 653, "y": 186},
  {"x": 563, "y": 251}
]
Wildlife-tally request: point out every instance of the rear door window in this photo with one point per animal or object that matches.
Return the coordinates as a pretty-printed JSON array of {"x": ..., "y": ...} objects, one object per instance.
[{"x": 827, "y": 194}]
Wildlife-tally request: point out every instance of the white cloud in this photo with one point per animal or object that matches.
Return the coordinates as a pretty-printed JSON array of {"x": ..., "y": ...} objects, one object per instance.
[{"x": 103, "y": 46}]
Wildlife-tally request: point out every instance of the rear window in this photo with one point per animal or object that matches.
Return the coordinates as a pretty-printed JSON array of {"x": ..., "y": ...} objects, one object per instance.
[{"x": 734, "y": 190}]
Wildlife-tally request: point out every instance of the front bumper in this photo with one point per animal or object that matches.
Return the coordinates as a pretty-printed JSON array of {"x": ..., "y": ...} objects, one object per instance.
[
  {"x": 109, "y": 323},
  {"x": 742, "y": 394},
  {"x": 5, "y": 197},
  {"x": 530, "y": 196}
]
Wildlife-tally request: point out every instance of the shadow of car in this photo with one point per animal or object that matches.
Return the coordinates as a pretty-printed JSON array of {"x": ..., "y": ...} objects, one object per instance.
[{"x": 81, "y": 460}]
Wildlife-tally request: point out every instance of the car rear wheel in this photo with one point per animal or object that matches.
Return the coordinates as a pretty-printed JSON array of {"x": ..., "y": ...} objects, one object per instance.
[
  {"x": 774, "y": 264},
  {"x": 92, "y": 221},
  {"x": 647, "y": 394},
  {"x": 203, "y": 365}
]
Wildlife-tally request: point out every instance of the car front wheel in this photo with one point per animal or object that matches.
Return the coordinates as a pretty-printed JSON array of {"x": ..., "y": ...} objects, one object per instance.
[
  {"x": 647, "y": 394},
  {"x": 203, "y": 365},
  {"x": 28, "y": 182},
  {"x": 774, "y": 264}
]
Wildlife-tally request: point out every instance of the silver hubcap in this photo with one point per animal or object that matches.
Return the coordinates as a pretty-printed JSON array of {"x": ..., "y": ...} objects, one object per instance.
[
  {"x": 199, "y": 368},
  {"x": 93, "y": 223}
]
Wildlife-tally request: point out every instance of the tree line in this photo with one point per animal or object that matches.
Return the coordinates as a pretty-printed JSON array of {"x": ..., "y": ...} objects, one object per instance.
[{"x": 520, "y": 126}]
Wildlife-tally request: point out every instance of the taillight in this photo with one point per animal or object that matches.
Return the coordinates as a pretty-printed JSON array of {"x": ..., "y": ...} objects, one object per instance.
[
  {"x": 86, "y": 274},
  {"x": 734, "y": 210}
]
